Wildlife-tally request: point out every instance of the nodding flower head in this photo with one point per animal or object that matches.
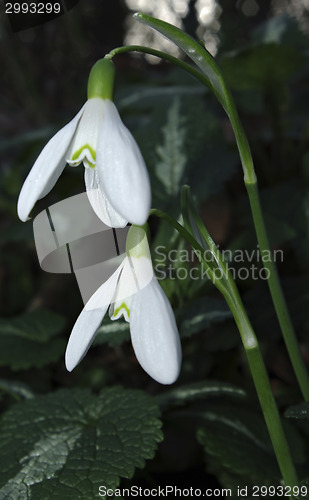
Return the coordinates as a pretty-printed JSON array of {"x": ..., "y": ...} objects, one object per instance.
[
  {"x": 134, "y": 293},
  {"x": 116, "y": 177}
]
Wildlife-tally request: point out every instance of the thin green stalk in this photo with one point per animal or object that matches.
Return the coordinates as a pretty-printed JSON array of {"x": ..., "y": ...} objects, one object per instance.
[
  {"x": 265, "y": 394},
  {"x": 255, "y": 360},
  {"x": 162, "y": 55}
]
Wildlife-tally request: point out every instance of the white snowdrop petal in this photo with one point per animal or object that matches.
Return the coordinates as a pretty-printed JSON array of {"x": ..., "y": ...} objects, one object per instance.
[
  {"x": 154, "y": 334},
  {"x": 121, "y": 168},
  {"x": 99, "y": 202},
  {"x": 121, "y": 303},
  {"x": 85, "y": 141},
  {"x": 135, "y": 275},
  {"x": 89, "y": 320},
  {"x": 47, "y": 169}
]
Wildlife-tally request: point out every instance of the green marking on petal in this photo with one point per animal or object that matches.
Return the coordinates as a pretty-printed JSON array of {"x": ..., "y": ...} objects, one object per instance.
[
  {"x": 78, "y": 153},
  {"x": 122, "y": 306}
]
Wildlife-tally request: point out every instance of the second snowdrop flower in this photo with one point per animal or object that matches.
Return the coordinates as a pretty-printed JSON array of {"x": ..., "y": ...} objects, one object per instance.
[
  {"x": 134, "y": 293},
  {"x": 116, "y": 177}
]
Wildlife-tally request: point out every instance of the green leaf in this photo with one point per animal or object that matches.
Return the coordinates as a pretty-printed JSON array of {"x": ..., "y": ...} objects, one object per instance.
[
  {"x": 16, "y": 389},
  {"x": 170, "y": 168},
  {"x": 300, "y": 411},
  {"x": 144, "y": 96},
  {"x": 65, "y": 445},
  {"x": 199, "y": 390},
  {"x": 177, "y": 130},
  {"x": 237, "y": 448},
  {"x": 29, "y": 340},
  {"x": 112, "y": 333},
  {"x": 200, "y": 315}
]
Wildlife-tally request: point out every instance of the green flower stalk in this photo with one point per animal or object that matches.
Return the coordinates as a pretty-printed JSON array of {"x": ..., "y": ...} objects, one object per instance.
[{"x": 101, "y": 80}]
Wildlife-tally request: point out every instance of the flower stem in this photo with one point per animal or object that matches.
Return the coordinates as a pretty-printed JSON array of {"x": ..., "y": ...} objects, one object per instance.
[
  {"x": 162, "y": 55},
  {"x": 255, "y": 361},
  {"x": 265, "y": 395}
]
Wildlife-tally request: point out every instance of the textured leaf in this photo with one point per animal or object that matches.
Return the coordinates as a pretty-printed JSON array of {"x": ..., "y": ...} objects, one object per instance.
[
  {"x": 170, "y": 168},
  {"x": 201, "y": 314},
  {"x": 300, "y": 411},
  {"x": 199, "y": 390},
  {"x": 28, "y": 340},
  {"x": 178, "y": 130},
  {"x": 16, "y": 389},
  {"x": 64, "y": 445},
  {"x": 237, "y": 448},
  {"x": 142, "y": 96}
]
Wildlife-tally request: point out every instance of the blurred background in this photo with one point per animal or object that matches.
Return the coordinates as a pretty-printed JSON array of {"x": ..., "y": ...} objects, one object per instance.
[{"x": 185, "y": 137}]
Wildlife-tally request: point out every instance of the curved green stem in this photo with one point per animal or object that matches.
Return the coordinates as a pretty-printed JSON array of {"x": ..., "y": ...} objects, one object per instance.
[
  {"x": 162, "y": 55},
  {"x": 256, "y": 364}
]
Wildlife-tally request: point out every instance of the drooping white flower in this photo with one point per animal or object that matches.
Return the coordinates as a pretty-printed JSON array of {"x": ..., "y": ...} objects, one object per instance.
[
  {"x": 116, "y": 177},
  {"x": 134, "y": 292}
]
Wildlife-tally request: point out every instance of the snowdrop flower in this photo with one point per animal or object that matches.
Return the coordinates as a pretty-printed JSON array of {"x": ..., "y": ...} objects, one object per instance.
[
  {"x": 134, "y": 293},
  {"x": 116, "y": 177}
]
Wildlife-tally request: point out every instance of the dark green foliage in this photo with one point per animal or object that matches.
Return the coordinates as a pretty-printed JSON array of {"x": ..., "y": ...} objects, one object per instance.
[
  {"x": 29, "y": 340},
  {"x": 68, "y": 443},
  {"x": 237, "y": 448}
]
